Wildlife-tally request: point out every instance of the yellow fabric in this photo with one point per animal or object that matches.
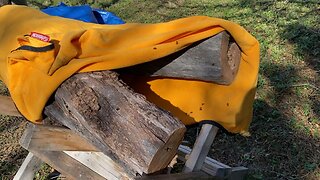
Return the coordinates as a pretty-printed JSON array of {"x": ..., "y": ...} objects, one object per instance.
[{"x": 32, "y": 77}]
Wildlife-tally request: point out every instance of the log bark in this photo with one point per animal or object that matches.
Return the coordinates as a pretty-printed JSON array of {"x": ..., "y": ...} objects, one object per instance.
[
  {"x": 133, "y": 132},
  {"x": 215, "y": 59}
]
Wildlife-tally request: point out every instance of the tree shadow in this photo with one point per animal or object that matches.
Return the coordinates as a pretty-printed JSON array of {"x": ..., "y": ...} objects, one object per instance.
[{"x": 306, "y": 41}]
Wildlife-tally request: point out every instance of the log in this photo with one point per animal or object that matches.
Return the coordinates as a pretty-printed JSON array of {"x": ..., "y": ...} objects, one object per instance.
[
  {"x": 133, "y": 132},
  {"x": 215, "y": 59}
]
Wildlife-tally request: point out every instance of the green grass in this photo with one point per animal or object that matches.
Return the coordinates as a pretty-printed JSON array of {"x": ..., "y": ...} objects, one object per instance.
[{"x": 285, "y": 141}]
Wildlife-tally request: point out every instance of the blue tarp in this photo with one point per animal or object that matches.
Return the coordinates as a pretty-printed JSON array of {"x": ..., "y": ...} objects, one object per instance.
[{"x": 83, "y": 13}]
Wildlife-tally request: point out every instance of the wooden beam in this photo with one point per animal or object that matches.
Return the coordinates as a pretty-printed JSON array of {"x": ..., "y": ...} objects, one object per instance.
[
  {"x": 45, "y": 140},
  {"x": 51, "y": 138},
  {"x": 215, "y": 59},
  {"x": 7, "y": 107},
  {"x": 67, "y": 165},
  {"x": 119, "y": 122},
  {"x": 29, "y": 167},
  {"x": 99, "y": 163},
  {"x": 178, "y": 176},
  {"x": 201, "y": 148},
  {"x": 60, "y": 161}
]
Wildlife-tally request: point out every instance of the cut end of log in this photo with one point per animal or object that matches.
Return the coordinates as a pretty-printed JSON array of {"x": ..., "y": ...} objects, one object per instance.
[
  {"x": 230, "y": 60},
  {"x": 167, "y": 152}
]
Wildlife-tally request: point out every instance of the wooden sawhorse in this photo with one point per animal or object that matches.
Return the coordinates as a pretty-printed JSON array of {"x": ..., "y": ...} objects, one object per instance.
[{"x": 75, "y": 158}]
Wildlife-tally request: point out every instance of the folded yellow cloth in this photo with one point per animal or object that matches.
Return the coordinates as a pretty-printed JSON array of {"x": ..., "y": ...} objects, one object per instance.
[{"x": 38, "y": 52}]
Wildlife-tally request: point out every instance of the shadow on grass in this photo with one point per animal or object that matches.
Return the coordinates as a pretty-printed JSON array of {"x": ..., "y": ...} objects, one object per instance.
[
  {"x": 306, "y": 41},
  {"x": 281, "y": 145}
]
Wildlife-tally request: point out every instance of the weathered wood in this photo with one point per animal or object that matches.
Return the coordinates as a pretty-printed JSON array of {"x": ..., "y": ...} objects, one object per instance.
[
  {"x": 210, "y": 166},
  {"x": 215, "y": 59},
  {"x": 201, "y": 148},
  {"x": 29, "y": 167},
  {"x": 238, "y": 173},
  {"x": 133, "y": 132},
  {"x": 43, "y": 139},
  {"x": 50, "y": 138},
  {"x": 60, "y": 161},
  {"x": 178, "y": 176},
  {"x": 66, "y": 165},
  {"x": 99, "y": 163},
  {"x": 7, "y": 107}
]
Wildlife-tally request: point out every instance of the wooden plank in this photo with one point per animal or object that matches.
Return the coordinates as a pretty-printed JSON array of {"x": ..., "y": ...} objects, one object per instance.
[
  {"x": 178, "y": 176},
  {"x": 238, "y": 173},
  {"x": 201, "y": 148},
  {"x": 51, "y": 138},
  {"x": 56, "y": 143},
  {"x": 99, "y": 163},
  {"x": 215, "y": 59},
  {"x": 7, "y": 107},
  {"x": 121, "y": 123},
  {"x": 29, "y": 167},
  {"x": 61, "y": 139},
  {"x": 66, "y": 165},
  {"x": 60, "y": 161},
  {"x": 210, "y": 166}
]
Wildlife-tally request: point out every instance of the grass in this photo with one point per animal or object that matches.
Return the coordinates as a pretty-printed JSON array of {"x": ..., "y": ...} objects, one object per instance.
[{"x": 285, "y": 141}]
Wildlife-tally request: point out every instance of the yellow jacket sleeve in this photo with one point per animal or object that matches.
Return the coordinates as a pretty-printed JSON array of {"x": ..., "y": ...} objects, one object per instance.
[{"x": 33, "y": 67}]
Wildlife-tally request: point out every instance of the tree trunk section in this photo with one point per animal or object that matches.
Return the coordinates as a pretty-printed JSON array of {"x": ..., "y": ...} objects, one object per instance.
[
  {"x": 215, "y": 59},
  {"x": 133, "y": 132}
]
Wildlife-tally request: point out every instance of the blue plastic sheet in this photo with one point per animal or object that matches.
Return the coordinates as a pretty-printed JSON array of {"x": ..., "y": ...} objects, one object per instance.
[{"x": 83, "y": 13}]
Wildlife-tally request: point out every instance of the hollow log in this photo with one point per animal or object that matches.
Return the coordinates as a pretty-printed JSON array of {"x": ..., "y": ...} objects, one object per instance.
[
  {"x": 122, "y": 124},
  {"x": 215, "y": 59}
]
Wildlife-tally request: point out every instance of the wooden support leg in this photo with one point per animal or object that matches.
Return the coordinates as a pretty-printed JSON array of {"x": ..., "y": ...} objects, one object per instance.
[
  {"x": 28, "y": 168},
  {"x": 201, "y": 148},
  {"x": 210, "y": 166}
]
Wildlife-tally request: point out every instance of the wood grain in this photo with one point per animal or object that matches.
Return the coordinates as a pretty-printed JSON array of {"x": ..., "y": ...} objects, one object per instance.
[
  {"x": 122, "y": 124},
  {"x": 29, "y": 167},
  {"x": 201, "y": 148},
  {"x": 51, "y": 138},
  {"x": 215, "y": 59}
]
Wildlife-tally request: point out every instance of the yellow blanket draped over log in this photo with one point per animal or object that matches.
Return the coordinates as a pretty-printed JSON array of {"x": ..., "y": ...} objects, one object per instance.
[{"x": 33, "y": 69}]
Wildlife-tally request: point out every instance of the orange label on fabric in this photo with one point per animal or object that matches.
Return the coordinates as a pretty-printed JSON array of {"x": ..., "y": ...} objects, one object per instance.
[{"x": 41, "y": 37}]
